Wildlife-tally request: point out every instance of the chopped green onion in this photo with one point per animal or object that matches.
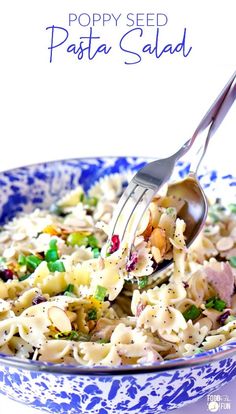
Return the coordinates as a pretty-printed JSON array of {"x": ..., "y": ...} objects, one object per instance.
[
  {"x": 2, "y": 260},
  {"x": 70, "y": 288},
  {"x": 232, "y": 261},
  {"x": 220, "y": 305},
  {"x": 102, "y": 341},
  {"x": 33, "y": 261},
  {"x": 216, "y": 303},
  {"x": 72, "y": 295},
  {"x": 92, "y": 314},
  {"x": 100, "y": 293},
  {"x": 73, "y": 336},
  {"x": 51, "y": 255},
  {"x": 220, "y": 208},
  {"x": 214, "y": 217},
  {"x": 56, "y": 266},
  {"x": 199, "y": 350},
  {"x": 90, "y": 201},
  {"x": 210, "y": 303},
  {"x": 57, "y": 210},
  {"x": 142, "y": 282},
  {"x": 77, "y": 239},
  {"x": 170, "y": 211},
  {"x": 81, "y": 199},
  {"x": 22, "y": 260},
  {"x": 53, "y": 244},
  {"x": 192, "y": 313},
  {"x": 21, "y": 278},
  {"x": 206, "y": 230},
  {"x": 232, "y": 208},
  {"x": 92, "y": 241},
  {"x": 96, "y": 252}
]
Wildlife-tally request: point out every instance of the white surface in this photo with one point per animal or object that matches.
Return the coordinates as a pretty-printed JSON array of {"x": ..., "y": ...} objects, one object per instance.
[{"x": 69, "y": 108}]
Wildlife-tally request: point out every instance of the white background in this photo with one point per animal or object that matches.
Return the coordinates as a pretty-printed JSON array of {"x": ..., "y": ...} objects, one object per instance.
[
  {"x": 76, "y": 108},
  {"x": 73, "y": 108}
]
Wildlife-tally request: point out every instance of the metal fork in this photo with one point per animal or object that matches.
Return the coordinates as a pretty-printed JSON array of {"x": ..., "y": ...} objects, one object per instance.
[{"x": 149, "y": 179}]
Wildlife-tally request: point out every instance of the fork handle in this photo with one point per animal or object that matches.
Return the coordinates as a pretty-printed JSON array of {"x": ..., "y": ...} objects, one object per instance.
[
  {"x": 212, "y": 119},
  {"x": 226, "y": 105}
]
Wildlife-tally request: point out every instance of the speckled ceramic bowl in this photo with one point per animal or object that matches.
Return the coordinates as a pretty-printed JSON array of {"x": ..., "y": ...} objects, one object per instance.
[{"x": 72, "y": 389}]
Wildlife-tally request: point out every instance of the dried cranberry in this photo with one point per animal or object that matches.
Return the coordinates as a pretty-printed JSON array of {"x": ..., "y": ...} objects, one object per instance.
[
  {"x": 38, "y": 299},
  {"x": 131, "y": 263},
  {"x": 222, "y": 318},
  {"x": 6, "y": 274},
  {"x": 186, "y": 285},
  {"x": 115, "y": 244}
]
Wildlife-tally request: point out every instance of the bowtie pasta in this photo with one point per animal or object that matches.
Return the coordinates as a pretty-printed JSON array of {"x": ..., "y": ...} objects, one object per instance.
[{"x": 63, "y": 301}]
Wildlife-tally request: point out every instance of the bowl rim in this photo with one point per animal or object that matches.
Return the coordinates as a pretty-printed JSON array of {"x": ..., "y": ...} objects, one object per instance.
[
  {"x": 205, "y": 358},
  {"x": 196, "y": 360}
]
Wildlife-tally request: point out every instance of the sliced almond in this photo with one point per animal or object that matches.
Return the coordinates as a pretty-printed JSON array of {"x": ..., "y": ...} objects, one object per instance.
[
  {"x": 156, "y": 254},
  {"x": 158, "y": 239},
  {"x": 59, "y": 319},
  {"x": 225, "y": 243},
  {"x": 156, "y": 212},
  {"x": 144, "y": 223}
]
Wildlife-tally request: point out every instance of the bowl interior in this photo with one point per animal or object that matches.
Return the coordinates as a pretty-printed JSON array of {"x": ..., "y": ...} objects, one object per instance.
[{"x": 38, "y": 186}]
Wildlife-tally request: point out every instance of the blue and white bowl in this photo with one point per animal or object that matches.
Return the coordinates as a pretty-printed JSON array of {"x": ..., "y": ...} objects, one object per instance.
[{"x": 59, "y": 388}]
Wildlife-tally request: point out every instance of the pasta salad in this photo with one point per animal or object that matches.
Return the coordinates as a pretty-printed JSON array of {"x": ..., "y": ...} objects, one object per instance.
[{"x": 67, "y": 296}]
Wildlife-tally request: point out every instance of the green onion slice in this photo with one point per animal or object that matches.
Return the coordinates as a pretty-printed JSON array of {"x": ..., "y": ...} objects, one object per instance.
[
  {"x": 192, "y": 313},
  {"x": 142, "y": 282},
  {"x": 100, "y": 293},
  {"x": 92, "y": 314},
  {"x": 57, "y": 266},
  {"x": 232, "y": 261},
  {"x": 33, "y": 261}
]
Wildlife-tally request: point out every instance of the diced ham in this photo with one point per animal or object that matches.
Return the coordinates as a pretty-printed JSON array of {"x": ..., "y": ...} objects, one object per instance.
[{"x": 221, "y": 277}]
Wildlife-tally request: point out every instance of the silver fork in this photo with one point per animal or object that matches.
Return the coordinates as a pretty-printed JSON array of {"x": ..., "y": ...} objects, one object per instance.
[{"x": 149, "y": 179}]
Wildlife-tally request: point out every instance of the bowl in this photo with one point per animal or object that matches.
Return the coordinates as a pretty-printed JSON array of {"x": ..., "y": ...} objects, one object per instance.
[{"x": 60, "y": 388}]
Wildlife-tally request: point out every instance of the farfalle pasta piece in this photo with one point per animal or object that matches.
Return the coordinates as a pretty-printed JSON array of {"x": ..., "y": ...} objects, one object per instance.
[
  {"x": 144, "y": 265},
  {"x": 179, "y": 250},
  {"x": 108, "y": 187},
  {"x": 22, "y": 348},
  {"x": 72, "y": 198},
  {"x": 165, "y": 320},
  {"x": 55, "y": 351},
  {"x": 8, "y": 328},
  {"x": 213, "y": 341},
  {"x": 166, "y": 294},
  {"x": 95, "y": 353},
  {"x": 25, "y": 300},
  {"x": 198, "y": 288},
  {"x": 202, "y": 248},
  {"x": 193, "y": 334}
]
